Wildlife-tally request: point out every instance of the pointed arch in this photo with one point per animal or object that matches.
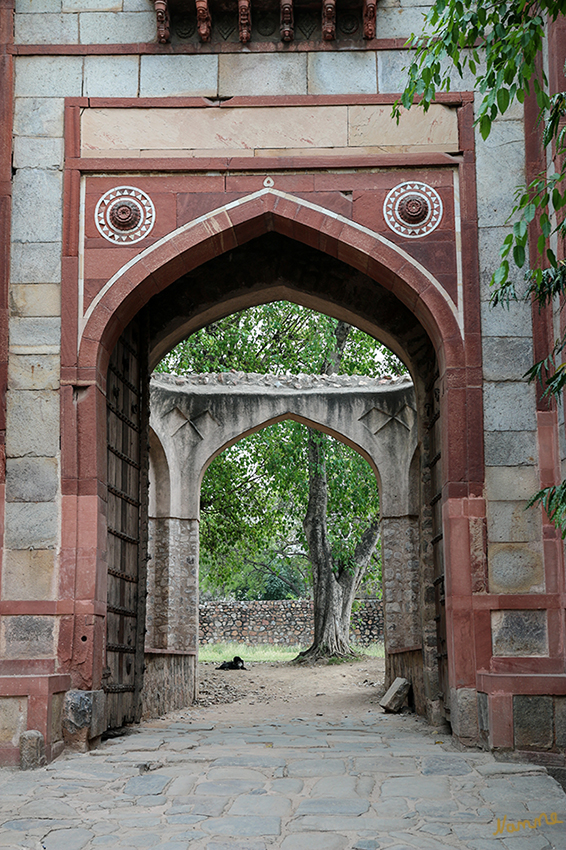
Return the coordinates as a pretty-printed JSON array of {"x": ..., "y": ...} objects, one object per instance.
[{"x": 223, "y": 229}]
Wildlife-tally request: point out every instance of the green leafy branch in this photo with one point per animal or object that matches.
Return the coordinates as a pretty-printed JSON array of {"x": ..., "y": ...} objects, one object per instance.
[
  {"x": 553, "y": 500},
  {"x": 499, "y": 42},
  {"x": 542, "y": 199},
  {"x": 501, "y": 45}
]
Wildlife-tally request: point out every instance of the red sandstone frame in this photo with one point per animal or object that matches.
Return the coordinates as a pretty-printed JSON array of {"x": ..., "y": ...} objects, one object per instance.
[{"x": 458, "y": 350}]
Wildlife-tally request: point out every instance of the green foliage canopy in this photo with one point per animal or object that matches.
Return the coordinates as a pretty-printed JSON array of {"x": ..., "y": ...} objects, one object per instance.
[{"x": 276, "y": 338}]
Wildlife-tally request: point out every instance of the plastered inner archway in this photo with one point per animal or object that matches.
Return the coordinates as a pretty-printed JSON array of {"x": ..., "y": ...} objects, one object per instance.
[{"x": 193, "y": 420}]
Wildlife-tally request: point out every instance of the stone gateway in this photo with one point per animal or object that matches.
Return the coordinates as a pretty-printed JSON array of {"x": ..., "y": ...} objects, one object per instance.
[
  {"x": 164, "y": 166},
  {"x": 192, "y": 420}
]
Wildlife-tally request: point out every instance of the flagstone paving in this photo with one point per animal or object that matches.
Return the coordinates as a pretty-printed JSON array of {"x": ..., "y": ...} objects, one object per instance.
[{"x": 381, "y": 783}]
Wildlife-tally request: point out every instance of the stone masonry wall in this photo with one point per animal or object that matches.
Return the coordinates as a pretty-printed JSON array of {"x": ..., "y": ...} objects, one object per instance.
[
  {"x": 282, "y": 622},
  {"x": 169, "y": 683},
  {"x": 399, "y": 545},
  {"x": 172, "y": 584},
  {"x": 32, "y": 571},
  {"x": 33, "y": 490}
]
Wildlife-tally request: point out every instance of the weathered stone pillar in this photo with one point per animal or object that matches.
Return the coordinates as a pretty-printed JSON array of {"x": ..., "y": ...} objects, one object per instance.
[
  {"x": 403, "y": 628},
  {"x": 157, "y": 605},
  {"x": 170, "y": 679},
  {"x": 182, "y": 631},
  {"x": 172, "y": 586},
  {"x": 400, "y": 565}
]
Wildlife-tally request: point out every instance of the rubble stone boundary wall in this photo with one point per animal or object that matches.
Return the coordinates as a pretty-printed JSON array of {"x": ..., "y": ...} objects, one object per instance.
[{"x": 285, "y": 622}]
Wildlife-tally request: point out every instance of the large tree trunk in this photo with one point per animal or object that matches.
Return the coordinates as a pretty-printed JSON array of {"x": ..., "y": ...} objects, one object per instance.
[{"x": 334, "y": 584}]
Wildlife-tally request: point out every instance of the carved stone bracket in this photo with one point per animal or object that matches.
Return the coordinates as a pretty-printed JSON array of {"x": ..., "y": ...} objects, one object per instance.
[
  {"x": 369, "y": 18},
  {"x": 204, "y": 21},
  {"x": 287, "y": 21},
  {"x": 245, "y": 20},
  {"x": 329, "y": 20},
  {"x": 176, "y": 19},
  {"x": 162, "y": 13}
]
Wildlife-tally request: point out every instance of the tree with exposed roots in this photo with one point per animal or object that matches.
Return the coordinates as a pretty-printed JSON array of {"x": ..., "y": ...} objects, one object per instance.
[{"x": 335, "y": 579}]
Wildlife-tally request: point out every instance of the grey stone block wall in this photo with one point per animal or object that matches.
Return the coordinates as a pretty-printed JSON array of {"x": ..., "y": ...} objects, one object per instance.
[
  {"x": 511, "y": 450},
  {"x": 27, "y": 636},
  {"x": 30, "y": 566},
  {"x": 539, "y": 722},
  {"x": 520, "y": 633},
  {"x": 133, "y": 21}
]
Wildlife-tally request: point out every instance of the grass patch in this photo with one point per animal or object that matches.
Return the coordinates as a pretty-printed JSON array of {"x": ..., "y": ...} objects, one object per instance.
[
  {"x": 374, "y": 650},
  {"x": 217, "y": 652}
]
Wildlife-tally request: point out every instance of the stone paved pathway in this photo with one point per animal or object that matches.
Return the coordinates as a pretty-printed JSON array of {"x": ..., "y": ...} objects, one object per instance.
[{"x": 302, "y": 784}]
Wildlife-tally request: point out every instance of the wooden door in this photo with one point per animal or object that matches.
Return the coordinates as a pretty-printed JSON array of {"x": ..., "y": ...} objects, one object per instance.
[
  {"x": 127, "y": 461},
  {"x": 435, "y": 466}
]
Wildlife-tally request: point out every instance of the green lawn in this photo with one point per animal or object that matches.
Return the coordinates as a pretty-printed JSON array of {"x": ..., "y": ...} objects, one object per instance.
[{"x": 217, "y": 652}]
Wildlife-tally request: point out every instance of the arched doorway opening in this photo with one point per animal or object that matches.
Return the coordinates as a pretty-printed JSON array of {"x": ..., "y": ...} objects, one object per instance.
[{"x": 185, "y": 288}]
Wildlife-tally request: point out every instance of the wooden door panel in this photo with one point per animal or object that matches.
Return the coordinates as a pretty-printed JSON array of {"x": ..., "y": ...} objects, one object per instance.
[
  {"x": 127, "y": 430},
  {"x": 435, "y": 466}
]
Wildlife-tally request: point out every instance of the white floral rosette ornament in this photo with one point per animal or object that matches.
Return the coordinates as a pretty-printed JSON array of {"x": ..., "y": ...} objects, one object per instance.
[
  {"x": 125, "y": 215},
  {"x": 413, "y": 209}
]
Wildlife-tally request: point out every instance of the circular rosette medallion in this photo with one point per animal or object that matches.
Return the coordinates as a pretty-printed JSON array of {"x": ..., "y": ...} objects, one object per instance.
[
  {"x": 125, "y": 215},
  {"x": 413, "y": 209}
]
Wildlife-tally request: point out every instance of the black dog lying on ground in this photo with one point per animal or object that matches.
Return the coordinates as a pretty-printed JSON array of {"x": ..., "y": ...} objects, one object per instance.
[{"x": 236, "y": 664}]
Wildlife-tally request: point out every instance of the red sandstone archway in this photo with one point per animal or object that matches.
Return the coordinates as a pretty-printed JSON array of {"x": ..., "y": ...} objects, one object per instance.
[{"x": 194, "y": 244}]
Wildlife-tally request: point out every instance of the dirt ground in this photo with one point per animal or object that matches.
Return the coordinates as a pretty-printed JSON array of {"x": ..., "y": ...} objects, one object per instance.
[{"x": 267, "y": 690}]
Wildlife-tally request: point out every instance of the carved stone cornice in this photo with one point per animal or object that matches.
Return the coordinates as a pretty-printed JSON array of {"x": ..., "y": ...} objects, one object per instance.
[
  {"x": 204, "y": 21},
  {"x": 245, "y": 20},
  {"x": 329, "y": 20},
  {"x": 369, "y": 18},
  {"x": 162, "y": 14},
  {"x": 287, "y": 21},
  {"x": 220, "y": 21}
]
